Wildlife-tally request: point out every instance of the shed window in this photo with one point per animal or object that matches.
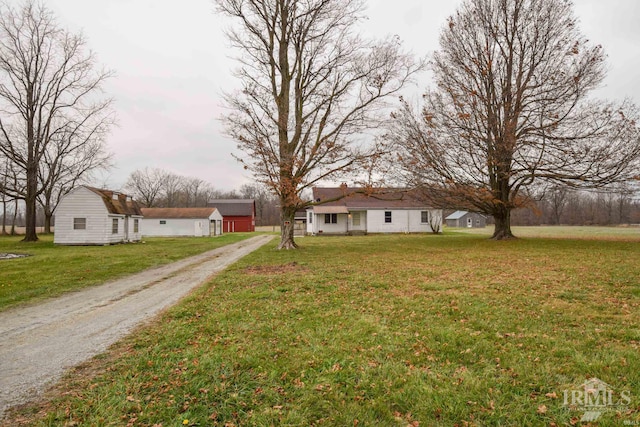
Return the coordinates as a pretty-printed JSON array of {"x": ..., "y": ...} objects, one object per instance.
[
  {"x": 424, "y": 217},
  {"x": 135, "y": 226},
  {"x": 330, "y": 218},
  {"x": 387, "y": 217},
  {"x": 79, "y": 223},
  {"x": 114, "y": 226},
  {"x": 163, "y": 222}
]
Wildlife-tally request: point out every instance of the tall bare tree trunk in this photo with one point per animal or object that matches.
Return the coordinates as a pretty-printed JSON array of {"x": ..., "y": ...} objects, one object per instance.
[
  {"x": 502, "y": 219},
  {"x": 47, "y": 220},
  {"x": 4, "y": 216},
  {"x": 286, "y": 229},
  {"x": 15, "y": 215}
]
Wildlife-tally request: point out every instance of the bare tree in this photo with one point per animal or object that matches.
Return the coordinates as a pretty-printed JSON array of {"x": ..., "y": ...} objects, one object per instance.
[
  {"x": 310, "y": 86},
  {"x": 511, "y": 109},
  {"x": 265, "y": 201},
  {"x": 47, "y": 79},
  {"x": 173, "y": 187},
  {"x": 147, "y": 185},
  {"x": 558, "y": 200},
  {"x": 12, "y": 190},
  {"x": 74, "y": 153},
  {"x": 196, "y": 192}
]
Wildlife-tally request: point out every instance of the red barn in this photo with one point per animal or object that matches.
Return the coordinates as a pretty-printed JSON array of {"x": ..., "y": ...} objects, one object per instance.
[{"x": 237, "y": 214}]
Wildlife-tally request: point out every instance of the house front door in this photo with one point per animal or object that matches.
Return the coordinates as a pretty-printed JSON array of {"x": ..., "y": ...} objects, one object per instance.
[{"x": 469, "y": 222}]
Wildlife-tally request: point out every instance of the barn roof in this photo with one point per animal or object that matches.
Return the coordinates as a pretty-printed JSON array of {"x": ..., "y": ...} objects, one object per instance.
[
  {"x": 360, "y": 198},
  {"x": 117, "y": 203},
  {"x": 233, "y": 207},
  {"x": 177, "y": 213}
]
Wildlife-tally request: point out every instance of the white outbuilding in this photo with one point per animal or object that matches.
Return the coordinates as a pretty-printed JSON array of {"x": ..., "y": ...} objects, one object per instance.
[
  {"x": 92, "y": 216},
  {"x": 196, "y": 222}
]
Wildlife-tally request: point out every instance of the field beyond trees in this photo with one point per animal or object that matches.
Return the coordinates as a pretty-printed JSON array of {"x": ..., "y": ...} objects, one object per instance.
[{"x": 379, "y": 330}]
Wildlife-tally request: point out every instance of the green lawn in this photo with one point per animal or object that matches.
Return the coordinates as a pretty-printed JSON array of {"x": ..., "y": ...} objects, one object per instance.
[
  {"x": 563, "y": 232},
  {"x": 52, "y": 270},
  {"x": 406, "y": 330}
]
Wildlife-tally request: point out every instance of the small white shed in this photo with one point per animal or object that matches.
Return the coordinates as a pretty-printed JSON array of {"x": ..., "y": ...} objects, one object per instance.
[
  {"x": 92, "y": 216},
  {"x": 196, "y": 222}
]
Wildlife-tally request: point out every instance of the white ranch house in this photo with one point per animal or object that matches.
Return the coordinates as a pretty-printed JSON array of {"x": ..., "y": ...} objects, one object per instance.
[
  {"x": 92, "y": 216},
  {"x": 167, "y": 222},
  {"x": 355, "y": 211}
]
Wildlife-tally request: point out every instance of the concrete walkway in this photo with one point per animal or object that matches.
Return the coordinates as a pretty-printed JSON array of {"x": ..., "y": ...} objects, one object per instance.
[{"x": 39, "y": 343}]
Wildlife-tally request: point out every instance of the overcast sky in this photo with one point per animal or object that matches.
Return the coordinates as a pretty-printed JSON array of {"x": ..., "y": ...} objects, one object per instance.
[{"x": 172, "y": 62}]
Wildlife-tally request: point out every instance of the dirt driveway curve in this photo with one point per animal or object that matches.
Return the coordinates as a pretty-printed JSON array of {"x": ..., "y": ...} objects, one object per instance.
[{"x": 38, "y": 343}]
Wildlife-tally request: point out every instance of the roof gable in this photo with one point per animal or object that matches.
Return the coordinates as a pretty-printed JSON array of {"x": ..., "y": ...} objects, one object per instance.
[
  {"x": 177, "y": 213},
  {"x": 380, "y": 198},
  {"x": 117, "y": 203}
]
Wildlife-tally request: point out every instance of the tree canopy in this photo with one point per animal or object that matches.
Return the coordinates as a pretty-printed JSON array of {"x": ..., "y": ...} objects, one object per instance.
[
  {"x": 511, "y": 108},
  {"x": 310, "y": 87}
]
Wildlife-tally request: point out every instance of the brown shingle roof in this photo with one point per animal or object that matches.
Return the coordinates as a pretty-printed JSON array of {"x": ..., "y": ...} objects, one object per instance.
[
  {"x": 177, "y": 213},
  {"x": 380, "y": 198},
  {"x": 122, "y": 204}
]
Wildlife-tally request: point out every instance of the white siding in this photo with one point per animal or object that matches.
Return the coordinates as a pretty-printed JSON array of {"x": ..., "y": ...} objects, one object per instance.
[
  {"x": 82, "y": 203},
  {"x": 175, "y": 227},
  {"x": 402, "y": 221},
  {"x": 182, "y": 226},
  {"x": 373, "y": 221},
  {"x": 132, "y": 235},
  {"x": 322, "y": 228}
]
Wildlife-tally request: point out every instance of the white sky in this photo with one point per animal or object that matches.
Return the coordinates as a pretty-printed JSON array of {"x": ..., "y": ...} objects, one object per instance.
[{"x": 172, "y": 62}]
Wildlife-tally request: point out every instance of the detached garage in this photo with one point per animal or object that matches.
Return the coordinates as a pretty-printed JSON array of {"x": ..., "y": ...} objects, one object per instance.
[{"x": 167, "y": 222}]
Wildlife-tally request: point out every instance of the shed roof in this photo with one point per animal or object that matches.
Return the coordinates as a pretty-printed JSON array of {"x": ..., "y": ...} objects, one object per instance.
[
  {"x": 117, "y": 203},
  {"x": 178, "y": 213},
  {"x": 360, "y": 198},
  {"x": 457, "y": 215},
  {"x": 233, "y": 207}
]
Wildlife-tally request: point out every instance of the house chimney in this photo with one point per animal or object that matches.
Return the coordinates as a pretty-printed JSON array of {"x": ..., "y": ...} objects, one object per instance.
[{"x": 115, "y": 196}]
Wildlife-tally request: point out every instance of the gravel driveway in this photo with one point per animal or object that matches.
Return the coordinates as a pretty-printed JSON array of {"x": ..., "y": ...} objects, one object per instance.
[{"x": 39, "y": 343}]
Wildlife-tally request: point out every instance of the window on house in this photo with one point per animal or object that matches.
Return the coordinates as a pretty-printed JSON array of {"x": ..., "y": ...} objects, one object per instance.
[
  {"x": 163, "y": 222},
  {"x": 310, "y": 217},
  {"x": 424, "y": 217},
  {"x": 79, "y": 223},
  {"x": 114, "y": 226},
  {"x": 135, "y": 225},
  {"x": 330, "y": 218},
  {"x": 387, "y": 217}
]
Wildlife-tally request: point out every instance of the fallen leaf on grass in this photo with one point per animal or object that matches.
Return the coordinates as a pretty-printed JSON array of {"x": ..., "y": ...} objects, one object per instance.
[{"x": 542, "y": 409}]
